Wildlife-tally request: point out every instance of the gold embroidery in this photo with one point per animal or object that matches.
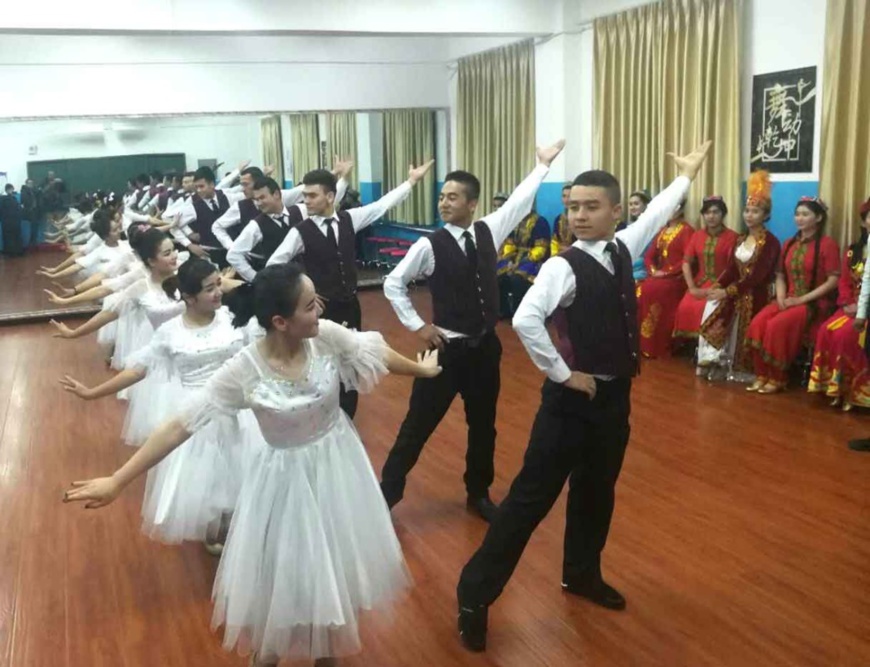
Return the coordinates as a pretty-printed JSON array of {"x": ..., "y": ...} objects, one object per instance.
[{"x": 650, "y": 322}]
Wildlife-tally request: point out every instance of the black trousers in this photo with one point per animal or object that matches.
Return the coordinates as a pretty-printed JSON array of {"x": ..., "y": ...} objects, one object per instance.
[
  {"x": 13, "y": 244},
  {"x": 346, "y": 312},
  {"x": 471, "y": 369},
  {"x": 573, "y": 438}
]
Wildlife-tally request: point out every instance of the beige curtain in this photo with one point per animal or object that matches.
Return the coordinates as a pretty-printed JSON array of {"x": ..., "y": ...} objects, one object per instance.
[
  {"x": 409, "y": 138},
  {"x": 495, "y": 137},
  {"x": 667, "y": 77},
  {"x": 273, "y": 148},
  {"x": 305, "y": 144},
  {"x": 845, "y": 166},
  {"x": 342, "y": 140}
]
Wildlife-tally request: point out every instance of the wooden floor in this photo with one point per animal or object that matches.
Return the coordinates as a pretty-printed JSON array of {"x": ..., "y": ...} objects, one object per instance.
[
  {"x": 741, "y": 535},
  {"x": 21, "y": 292}
]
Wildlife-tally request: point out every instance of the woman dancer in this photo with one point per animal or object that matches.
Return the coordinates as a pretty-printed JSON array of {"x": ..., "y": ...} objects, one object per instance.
[
  {"x": 311, "y": 542},
  {"x": 191, "y": 490},
  {"x": 805, "y": 283},
  {"x": 741, "y": 291}
]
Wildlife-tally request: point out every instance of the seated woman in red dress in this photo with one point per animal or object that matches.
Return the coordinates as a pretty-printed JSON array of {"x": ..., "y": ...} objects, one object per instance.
[
  {"x": 659, "y": 294},
  {"x": 840, "y": 362},
  {"x": 741, "y": 291},
  {"x": 710, "y": 250},
  {"x": 806, "y": 283}
]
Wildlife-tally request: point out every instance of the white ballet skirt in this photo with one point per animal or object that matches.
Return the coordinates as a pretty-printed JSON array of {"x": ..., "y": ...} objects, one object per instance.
[
  {"x": 101, "y": 257},
  {"x": 196, "y": 484},
  {"x": 142, "y": 308},
  {"x": 311, "y": 542}
]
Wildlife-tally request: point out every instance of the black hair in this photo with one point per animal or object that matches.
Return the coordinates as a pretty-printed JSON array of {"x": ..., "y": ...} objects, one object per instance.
[
  {"x": 188, "y": 174},
  {"x": 643, "y": 195},
  {"x": 204, "y": 174},
  {"x": 256, "y": 172},
  {"x": 188, "y": 281},
  {"x": 9, "y": 187},
  {"x": 157, "y": 175},
  {"x": 821, "y": 211},
  {"x": 148, "y": 244},
  {"x": 467, "y": 179},
  {"x": 567, "y": 186},
  {"x": 142, "y": 179},
  {"x": 134, "y": 234},
  {"x": 101, "y": 224},
  {"x": 321, "y": 177},
  {"x": 597, "y": 178},
  {"x": 275, "y": 291},
  {"x": 714, "y": 203},
  {"x": 266, "y": 182}
]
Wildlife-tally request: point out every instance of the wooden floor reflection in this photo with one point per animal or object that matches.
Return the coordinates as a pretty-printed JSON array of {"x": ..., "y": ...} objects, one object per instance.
[{"x": 741, "y": 535}]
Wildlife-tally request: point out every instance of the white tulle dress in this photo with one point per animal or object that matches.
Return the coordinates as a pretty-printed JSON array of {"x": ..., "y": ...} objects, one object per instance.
[
  {"x": 311, "y": 542},
  {"x": 189, "y": 490},
  {"x": 142, "y": 308}
]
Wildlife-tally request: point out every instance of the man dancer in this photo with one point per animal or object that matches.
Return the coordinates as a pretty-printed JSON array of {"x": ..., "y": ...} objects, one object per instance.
[
  {"x": 328, "y": 240},
  {"x": 582, "y": 428},
  {"x": 459, "y": 261}
]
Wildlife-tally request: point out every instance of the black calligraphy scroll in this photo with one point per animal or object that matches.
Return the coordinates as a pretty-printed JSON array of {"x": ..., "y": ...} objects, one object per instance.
[{"x": 783, "y": 121}]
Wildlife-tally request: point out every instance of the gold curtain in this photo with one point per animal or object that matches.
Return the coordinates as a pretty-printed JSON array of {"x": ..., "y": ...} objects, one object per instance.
[
  {"x": 409, "y": 138},
  {"x": 495, "y": 136},
  {"x": 305, "y": 144},
  {"x": 342, "y": 140},
  {"x": 844, "y": 168},
  {"x": 273, "y": 148},
  {"x": 667, "y": 77}
]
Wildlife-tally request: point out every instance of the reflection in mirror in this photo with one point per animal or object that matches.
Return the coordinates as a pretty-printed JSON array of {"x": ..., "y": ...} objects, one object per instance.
[{"x": 76, "y": 192}]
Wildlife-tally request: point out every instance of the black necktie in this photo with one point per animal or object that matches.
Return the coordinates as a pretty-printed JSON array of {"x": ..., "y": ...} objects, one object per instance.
[
  {"x": 281, "y": 220},
  {"x": 615, "y": 258},
  {"x": 330, "y": 232},
  {"x": 213, "y": 205},
  {"x": 470, "y": 250}
]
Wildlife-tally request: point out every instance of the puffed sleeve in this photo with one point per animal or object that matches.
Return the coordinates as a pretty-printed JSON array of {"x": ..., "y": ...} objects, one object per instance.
[
  {"x": 361, "y": 356},
  {"x": 224, "y": 394}
]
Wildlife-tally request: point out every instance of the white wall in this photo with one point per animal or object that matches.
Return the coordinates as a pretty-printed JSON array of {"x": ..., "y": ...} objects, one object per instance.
[
  {"x": 783, "y": 35},
  {"x": 351, "y": 16},
  {"x": 229, "y": 139}
]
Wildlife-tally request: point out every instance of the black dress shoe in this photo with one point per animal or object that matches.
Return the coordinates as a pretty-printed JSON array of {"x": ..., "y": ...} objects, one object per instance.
[
  {"x": 483, "y": 507},
  {"x": 595, "y": 590},
  {"x": 472, "y": 627},
  {"x": 862, "y": 445}
]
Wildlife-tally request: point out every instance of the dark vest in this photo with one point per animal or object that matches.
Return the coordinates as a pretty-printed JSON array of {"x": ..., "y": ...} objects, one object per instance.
[
  {"x": 331, "y": 269},
  {"x": 598, "y": 333},
  {"x": 205, "y": 218},
  {"x": 247, "y": 211},
  {"x": 464, "y": 300},
  {"x": 273, "y": 236}
]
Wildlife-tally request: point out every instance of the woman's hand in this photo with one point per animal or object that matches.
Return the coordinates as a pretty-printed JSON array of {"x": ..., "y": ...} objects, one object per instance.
[
  {"x": 859, "y": 323},
  {"x": 63, "y": 331},
  {"x": 851, "y": 309},
  {"x": 428, "y": 363},
  {"x": 716, "y": 294},
  {"x": 54, "y": 298},
  {"x": 73, "y": 386},
  {"x": 93, "y": 492},
  {"x": 792, "y": 301},
  {"x": 699, "y": 292}
]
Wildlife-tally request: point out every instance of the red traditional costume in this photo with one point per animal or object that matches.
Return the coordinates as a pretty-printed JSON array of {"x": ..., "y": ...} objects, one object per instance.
[
  {"x": 747, "y": 284},
  {"x": 709, "y": 256},
  {"x": 840, "y": 368},
  {"x": 776, "y": 336},
  {"x": 658, "y": 297}
]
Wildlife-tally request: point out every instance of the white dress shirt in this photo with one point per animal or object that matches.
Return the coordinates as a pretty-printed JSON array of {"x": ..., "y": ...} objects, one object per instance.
[
  {"x": 361, "y": 217},
  {"x": 237, "y": 255},
  {"x": 420, "y": 260},
  {"x": 292, "y": 197},
  {"x": 555, "y": 285},
  {"x": 186, "y": 214}
]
